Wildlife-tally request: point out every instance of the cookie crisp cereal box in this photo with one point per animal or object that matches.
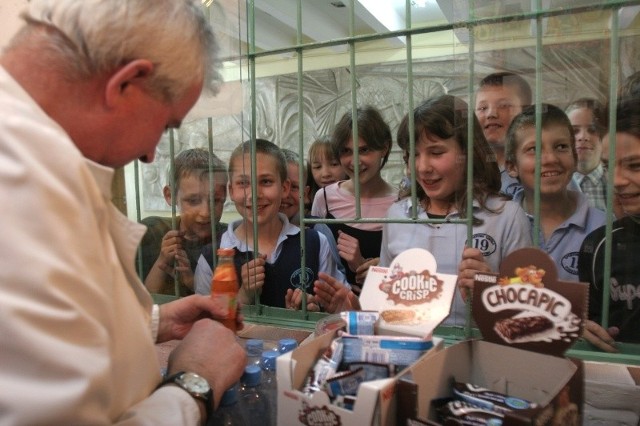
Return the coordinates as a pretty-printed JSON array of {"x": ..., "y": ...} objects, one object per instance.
[{"x": 412, "y": 299}]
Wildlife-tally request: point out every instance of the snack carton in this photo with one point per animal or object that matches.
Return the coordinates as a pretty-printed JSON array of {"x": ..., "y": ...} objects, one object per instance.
[
  {"x": 411, "y": 296},
  {"x": 412, "y": 299},
  {"x": 528, "y": 319}
]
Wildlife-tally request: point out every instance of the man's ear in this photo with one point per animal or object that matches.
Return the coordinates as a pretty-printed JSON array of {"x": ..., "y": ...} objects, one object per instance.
[
  {"x": 133, "y": 73},
  {"x": 166, "y": 191}
]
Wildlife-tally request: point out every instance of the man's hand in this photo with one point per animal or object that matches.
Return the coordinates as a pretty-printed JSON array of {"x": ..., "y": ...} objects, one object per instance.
[
  {"x": 211, "y": 351},
  {"x": 177, "y": 317}
]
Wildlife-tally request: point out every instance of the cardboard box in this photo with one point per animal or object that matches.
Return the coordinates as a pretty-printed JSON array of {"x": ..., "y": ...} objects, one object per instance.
[
  {"x": 419, "y": 296},
  {"x": 612, "y": 394},
  {"x": 528, "y": 319}
]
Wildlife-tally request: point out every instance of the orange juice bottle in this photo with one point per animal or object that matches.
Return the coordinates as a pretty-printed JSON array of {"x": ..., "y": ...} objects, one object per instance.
[{"x": 224, "y": 286}]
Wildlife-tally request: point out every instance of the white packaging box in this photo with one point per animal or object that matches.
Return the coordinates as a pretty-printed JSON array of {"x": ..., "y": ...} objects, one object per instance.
[
  {"x": 375, "y": 403},
  {"x": 403, "y": 287}
]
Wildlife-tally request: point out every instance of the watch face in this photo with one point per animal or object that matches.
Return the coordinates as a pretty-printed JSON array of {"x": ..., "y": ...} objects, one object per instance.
[{"x": 194, "y": 383}]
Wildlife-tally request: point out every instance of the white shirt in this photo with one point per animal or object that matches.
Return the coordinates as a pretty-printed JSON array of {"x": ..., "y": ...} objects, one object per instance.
[
  {"x": 76, "y": 325},
  {"x": 498, "y": 235},
  {"x": 563, "y": 245},
  {"x": 326, "y": 263}
]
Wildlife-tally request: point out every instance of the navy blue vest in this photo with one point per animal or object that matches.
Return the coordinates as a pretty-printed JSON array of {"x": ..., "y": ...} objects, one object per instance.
[
  {"x": 285, "y": 273},
  {"x": 369, "y": 241}
]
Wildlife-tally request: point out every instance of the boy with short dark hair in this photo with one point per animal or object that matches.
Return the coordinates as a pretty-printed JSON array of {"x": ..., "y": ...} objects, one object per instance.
[{"x": 167, "y": 253}]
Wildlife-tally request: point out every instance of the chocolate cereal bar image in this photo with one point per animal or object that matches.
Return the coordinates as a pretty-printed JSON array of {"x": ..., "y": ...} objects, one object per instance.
[{"x": 512, "y": 329}]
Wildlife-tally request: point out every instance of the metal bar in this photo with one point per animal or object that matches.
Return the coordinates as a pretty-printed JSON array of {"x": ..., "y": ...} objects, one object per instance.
[
  {"x": 212, "y": 201},
  {"x": 253, "y": 131},
  {"x": 172, "y": 182},
  {"x": 538, "y": 114},
  {"x": 611, "y": 5},
  {"x": 136, "y": 183},
  {"x": 301, "y": 170},
  {"x": 354, "y": 110},
  {"x": 470, "y": 140},
  {"x": 608, "y": 247},
  {"x": 412, "y": 142}
]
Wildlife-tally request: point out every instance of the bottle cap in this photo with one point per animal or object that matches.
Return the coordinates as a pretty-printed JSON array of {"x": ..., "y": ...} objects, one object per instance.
[
  {"x": 268, "y": 361},
  {"x": 286, "y": 345},
  {"x": 254, "y": 347},
  {"x": 252, "y": 375},
  {"x": 226, "y": 251},
  {"x": 230, "y": 396}
]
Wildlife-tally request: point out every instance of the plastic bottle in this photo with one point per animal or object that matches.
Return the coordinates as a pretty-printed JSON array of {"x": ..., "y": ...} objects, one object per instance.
[
  {"x": 287, "y": 345},
  {"x": 224, "y": 286},
  {"x": 254, "y": 349},
  {"x": 228, "y": 412},
  {"x": 270, "y": 383},
  {"x": 253, "y": 402}
]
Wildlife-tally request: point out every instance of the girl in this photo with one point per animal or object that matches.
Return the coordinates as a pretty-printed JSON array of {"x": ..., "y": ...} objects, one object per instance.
[
  {"x": 323, "y": 167},
  {"x": 566, "y": 217},
  {"x": 358, "y": 243},
  {"x": 587, "y": 117},
  {"x": 499, "y": 225},
  {"x": 624, "y": 283}
]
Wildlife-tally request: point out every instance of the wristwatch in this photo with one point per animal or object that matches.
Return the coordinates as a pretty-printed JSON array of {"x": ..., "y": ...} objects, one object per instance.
[{"x": 197, "y": 386}]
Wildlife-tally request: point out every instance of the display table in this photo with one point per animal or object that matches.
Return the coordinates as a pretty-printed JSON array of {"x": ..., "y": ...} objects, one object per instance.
[{"x": 612, "y": 391}]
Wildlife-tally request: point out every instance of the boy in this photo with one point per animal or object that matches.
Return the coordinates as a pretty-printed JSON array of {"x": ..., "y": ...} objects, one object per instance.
[
  {"x": 290, "y": 205},
  {"x": 566, "y": 217},
  {"x": 500, "y": 97},
  {"x": 275, "y": 271},
  {"x": 624, "y": 283},
  {"x": 165, "y": 251},
  {"x": 588, "y": 117}
]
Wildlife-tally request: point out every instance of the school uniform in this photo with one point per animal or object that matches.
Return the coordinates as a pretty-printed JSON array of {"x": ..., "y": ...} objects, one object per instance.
[
  {"x": 282, "y": 269},
  {"x": 624, "y": 285},
  {"x": 563, "y": 245},
  {"x": 332, "y": 202},
  {"x": 499, "y": 234},
  {"x": 510, "y": 186},
  {"x": 593, "y": 185}
]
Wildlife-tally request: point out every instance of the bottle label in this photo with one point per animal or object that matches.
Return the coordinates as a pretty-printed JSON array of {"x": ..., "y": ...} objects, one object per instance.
[{"x": 227, "y": 302}]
